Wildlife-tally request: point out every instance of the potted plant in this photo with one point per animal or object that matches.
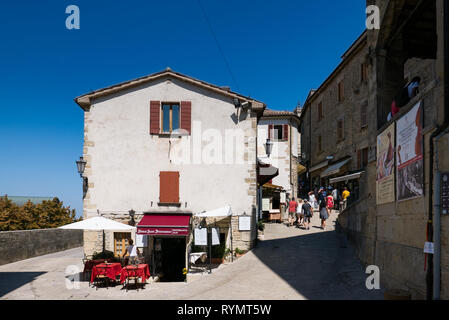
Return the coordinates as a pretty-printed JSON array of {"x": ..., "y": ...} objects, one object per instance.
[{"x": 238, "y": 252}]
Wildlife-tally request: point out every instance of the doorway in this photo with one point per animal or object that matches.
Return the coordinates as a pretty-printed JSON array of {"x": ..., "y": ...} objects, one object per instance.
[{"x": 172, "y": 259}]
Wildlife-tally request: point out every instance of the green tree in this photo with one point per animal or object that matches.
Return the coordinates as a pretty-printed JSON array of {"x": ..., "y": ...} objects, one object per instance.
[
  {"x": 46, "y": 215},
  {"x": 10, "y": 217}
]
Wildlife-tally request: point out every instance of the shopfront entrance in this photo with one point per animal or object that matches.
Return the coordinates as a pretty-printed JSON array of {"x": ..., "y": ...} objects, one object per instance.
[
  {"x": 169, "y": 258},
  {"x": 167, "y": 235}
]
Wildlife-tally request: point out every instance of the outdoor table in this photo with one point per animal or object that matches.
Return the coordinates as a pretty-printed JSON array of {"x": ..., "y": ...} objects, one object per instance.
[
  {"x": 112, "y": 270},
  {"x": 143, "y": 272}
]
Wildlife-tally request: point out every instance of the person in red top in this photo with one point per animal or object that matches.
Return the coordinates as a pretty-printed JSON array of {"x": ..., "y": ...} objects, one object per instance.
[{"x": 291, "y": 212}]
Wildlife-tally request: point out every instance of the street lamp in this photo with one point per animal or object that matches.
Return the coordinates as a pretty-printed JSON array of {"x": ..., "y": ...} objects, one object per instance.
[
  {"x": 268, "y": 147},
  {"x": 81, "y": 165}
]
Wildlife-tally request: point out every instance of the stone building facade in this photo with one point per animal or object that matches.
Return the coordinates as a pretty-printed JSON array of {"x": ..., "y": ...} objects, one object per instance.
[
  {"x": 409, "y": 43},
  {"x": 337, "y": 125},
  {"x": 130, "y": 149}
]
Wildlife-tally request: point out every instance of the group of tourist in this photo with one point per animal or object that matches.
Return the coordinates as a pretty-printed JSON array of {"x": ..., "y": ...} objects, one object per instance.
[{"x": 326, "y": 200}]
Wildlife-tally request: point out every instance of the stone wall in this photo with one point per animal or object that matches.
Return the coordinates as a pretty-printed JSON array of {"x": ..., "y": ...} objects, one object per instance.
[{"x": 20, "y": 245}]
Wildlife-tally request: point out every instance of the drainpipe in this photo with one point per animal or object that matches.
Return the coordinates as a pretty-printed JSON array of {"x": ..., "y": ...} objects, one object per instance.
[{"x": 434, "y": 224}]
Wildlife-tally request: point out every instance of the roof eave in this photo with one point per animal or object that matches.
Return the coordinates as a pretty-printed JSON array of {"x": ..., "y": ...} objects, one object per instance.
[{"x": 85, "y": 101}]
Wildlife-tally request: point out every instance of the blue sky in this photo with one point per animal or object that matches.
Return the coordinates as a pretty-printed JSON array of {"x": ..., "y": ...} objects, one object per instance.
[{"x": 277, "y": 51}]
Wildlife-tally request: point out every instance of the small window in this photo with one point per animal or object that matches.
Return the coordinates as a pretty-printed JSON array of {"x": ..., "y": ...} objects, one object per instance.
[
  {"x": 364, "y": 72},
  {"x": 170, "y": 117},
  {"x": 320, "y": 146},
  {"x": 341, "y": 91},
  {"x": 363, "y": 115},
  {"x": 320, "y": 111},
  {"x": 340, "y": 130},
  {"x": 362, "y": 158},
  {"x": 278, "y": 132}
]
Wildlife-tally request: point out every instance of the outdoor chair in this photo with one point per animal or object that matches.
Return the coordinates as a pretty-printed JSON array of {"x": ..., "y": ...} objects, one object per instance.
[
  {"x": 102, "y": 277},
  {"x": 133, "y": 271}
]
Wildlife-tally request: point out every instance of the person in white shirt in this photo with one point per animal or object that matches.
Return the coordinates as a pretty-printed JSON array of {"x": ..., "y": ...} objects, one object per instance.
[
  {"x": 133, "y": 251},
  {"x": 299, "y": 214}
]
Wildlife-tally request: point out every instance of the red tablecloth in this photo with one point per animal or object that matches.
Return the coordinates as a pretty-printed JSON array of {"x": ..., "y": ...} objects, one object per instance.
[
  {"x": 143, "y": 272},
  {"x": 111, "y": 270}
]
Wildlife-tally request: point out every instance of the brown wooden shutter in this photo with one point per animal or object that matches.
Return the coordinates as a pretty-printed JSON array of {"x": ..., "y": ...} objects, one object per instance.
[
  {"x": 155, "y": 117},
  {"x": 186, "y": 116},
  {"x": 270, "y": 131},
  {"x": 363, "y": 115},
  {"x": 169, "y": 187},
  {"x": 359, "y": 159},
  {"x": 285, "y": 135}
]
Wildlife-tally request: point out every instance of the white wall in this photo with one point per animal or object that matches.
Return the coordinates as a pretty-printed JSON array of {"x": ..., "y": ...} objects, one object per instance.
[
  {"x": 280, "y": 153},
  {"x": 126, "y": 159}
]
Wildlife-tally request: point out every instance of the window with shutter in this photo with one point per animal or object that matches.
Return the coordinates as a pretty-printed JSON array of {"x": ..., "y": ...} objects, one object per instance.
[
  {"x": 364, "y": 72},
  {"x": 359, "y": 159},
  {"x": 285, "y": 135},
  {"x": 270, "y": 131},
  {"x": 155, "y": 118},
  {"x": 364, "y": 158},
  {"x": 186, "y": 116},
  {"x": 320, "y": 111},
  {"x": 169, "y": 187},
  {"x": 363, "y": 115},
  {"x": 341, "y": 91},
  {"x": 340, "y": 130}
]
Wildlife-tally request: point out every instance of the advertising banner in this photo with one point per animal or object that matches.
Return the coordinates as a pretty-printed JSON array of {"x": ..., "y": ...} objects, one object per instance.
[
  {"x": 409, "y": 155},
  {"x": 385, "y": 166}
]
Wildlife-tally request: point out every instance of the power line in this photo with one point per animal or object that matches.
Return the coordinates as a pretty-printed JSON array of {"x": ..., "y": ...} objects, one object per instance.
[{"x": 218, "y": 45}]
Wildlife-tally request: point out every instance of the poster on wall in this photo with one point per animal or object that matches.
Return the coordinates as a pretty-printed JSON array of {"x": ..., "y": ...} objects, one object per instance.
[
  {"x": 409, "y": 155},
  {"x": 385, "y": 166}
]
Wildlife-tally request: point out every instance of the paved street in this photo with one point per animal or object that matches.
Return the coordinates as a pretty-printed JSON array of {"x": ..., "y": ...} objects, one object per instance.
[{"x": 289, "y": 264}]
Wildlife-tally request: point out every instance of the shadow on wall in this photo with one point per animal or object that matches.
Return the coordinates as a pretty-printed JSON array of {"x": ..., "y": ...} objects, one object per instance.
[
  {"x": 319, "y": 266},
  {"x": 10, "y": 281}
]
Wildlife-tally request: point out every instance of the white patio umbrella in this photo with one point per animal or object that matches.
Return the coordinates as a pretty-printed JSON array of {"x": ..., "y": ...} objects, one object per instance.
[
  {"x": 98, "y": 224},
  {"x": 222, "y": 212}
]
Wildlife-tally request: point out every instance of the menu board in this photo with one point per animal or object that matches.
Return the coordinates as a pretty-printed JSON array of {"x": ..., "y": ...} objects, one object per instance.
[
  {"x": 244, "y": 223},
  {"x": 200, "y": 236}
]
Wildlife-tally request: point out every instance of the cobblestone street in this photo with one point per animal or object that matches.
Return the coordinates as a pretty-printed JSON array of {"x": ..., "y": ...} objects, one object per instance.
[{"x": 290, "y": 264}]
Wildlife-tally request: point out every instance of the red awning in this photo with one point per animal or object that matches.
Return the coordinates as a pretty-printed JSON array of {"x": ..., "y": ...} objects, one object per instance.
[{"x": 164, "y": 225}]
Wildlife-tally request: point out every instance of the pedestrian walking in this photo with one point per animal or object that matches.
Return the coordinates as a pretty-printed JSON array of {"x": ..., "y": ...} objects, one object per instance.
[
  {"x": 335, "y": 197},
  {"x": 291, "y": 212},
  {"x": 330, "y": 203},
  {"x": 312, "y": 200},
  {"x": 323, "y": 213},
  {"x": 299, "y": 213},
  {"x": 307, "y": 212}
]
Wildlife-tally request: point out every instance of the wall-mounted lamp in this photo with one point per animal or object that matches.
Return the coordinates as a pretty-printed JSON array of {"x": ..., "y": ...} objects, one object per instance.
[
  {"x": 268, "y": 147},
  {"x": 132, "y": 214},
  {"x": 81, "y": 166}
]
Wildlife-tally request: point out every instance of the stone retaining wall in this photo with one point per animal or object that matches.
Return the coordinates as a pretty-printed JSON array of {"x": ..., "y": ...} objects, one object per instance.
[{"x": 20, "y": 245}]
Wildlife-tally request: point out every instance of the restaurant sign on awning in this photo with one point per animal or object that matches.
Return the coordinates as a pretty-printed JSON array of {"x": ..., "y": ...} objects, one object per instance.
[{"x": 164, "y": 225}]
